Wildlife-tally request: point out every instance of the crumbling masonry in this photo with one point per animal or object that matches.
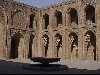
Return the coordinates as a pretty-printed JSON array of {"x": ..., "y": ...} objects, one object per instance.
[{"x": 69, "y": 30}]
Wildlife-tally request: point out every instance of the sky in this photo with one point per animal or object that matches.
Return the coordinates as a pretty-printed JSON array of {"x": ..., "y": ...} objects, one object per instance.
[{"x": 40, "y": 3}]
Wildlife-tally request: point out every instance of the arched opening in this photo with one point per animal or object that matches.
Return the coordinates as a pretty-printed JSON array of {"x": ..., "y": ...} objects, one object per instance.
[
  {"x": 14, "y": 46},
  {"x": 73, "y": 38},
  {"x": 58, "y": 15},
  {"x": 90, "y": 46},
  {"x": 31, "y": 46},
  {"x": 31, "y": 20},
  {"x": 73, "y": 16},
  {"x": 45, "y": 44},
  {"x": 46, "y": 20},
  {"x": 58, "y": 43},
  {"x": 90, "y": 13}
]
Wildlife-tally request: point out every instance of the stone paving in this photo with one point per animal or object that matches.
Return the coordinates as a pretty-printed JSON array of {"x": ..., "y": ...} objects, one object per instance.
[{"x": 74, "y": 67}]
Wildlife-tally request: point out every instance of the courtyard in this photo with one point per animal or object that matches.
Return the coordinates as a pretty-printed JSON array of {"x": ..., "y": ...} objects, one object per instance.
[{"x": 15, "y": 66}]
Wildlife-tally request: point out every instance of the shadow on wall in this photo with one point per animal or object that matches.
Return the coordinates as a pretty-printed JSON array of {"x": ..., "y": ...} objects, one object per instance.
[{"x": 9, "y": 67}]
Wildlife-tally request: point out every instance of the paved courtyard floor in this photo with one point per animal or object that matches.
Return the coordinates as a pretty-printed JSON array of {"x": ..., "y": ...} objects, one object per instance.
[{"x": 74, "y": 67}]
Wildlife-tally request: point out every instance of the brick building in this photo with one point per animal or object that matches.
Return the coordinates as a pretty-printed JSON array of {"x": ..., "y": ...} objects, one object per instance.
[{"x": 69, "y": 30}]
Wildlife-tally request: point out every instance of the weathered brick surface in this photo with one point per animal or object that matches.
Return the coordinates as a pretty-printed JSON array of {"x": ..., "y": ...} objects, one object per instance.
[{"x": 68, "y": 30}]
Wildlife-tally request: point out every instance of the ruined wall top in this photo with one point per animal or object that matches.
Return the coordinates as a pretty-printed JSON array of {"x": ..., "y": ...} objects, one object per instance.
[
  {"x": 18, "y": 3},
  {"x": 54, "y": 5},
  {"x": 68, "y": 3}
]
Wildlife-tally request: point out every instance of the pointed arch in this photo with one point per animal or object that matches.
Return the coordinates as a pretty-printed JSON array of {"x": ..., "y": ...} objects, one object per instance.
[
  {"x": 19, "y": 19},
  {"x": 45, "y": 41},
  {"x": 58, "y": 44},
  {"x": 46, "y": 20},
  {"x": 73, "y": 15},
  {"x": 90, "y": 45},
  {"x": 15, "y": 45},
  {"x": 59, "y": 18},
  {"x": 90, "y": 13},
  {"x": 73, "y": 44}
]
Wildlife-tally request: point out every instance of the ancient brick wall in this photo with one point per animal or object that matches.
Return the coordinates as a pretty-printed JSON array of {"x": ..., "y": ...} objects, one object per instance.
[
  {"x": 76, "y": 24},
  {"x": 68, "y": 30}
]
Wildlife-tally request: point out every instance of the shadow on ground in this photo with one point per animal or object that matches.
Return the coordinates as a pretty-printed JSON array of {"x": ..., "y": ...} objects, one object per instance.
[{"x": 9, "y": 67}]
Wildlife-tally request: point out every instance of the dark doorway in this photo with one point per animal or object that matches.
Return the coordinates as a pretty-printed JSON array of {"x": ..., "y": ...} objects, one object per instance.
[
  {"x": 30, "y": 46},
  {"x": 14, "y": 48}
]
